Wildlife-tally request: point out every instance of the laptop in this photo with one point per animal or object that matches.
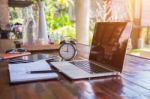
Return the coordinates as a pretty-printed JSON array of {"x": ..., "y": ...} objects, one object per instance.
[{"x": 106, "y": 56}]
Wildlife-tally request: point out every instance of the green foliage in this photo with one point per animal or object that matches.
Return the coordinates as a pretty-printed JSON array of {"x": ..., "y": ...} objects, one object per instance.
[
  {"x": 146, "y": 36},
  {"x": 57, "y": 18},
  {"x": 67, "y": 31},
  {"x": 57, "y": 14},
  {"x": 13, "y": 13},
  {"x": 90, "y": 37},
  {"x": 135, "y": 52},
  {"x": 18, "y": 20}
]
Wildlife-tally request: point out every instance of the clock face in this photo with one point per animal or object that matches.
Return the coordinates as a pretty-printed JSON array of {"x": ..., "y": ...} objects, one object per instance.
[{"x": 67, "y": 51}]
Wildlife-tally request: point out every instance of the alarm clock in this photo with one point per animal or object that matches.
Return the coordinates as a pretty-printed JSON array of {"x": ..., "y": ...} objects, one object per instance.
[{"x": 67, "y": 50}]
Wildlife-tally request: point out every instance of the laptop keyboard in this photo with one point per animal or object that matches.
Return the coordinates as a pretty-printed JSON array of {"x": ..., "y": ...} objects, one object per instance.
[{"x": 89, "y": 67}]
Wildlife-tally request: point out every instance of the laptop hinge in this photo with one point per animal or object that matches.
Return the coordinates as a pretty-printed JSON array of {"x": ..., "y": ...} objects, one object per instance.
[{"x": 101, "y": 65}]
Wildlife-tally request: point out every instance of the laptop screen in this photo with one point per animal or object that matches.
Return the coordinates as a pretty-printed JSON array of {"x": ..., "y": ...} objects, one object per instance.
[{"x": 109, "y": 44}]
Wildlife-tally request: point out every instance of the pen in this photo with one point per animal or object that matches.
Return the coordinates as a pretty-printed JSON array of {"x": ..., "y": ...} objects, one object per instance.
[{"x": 42, "y": 71}]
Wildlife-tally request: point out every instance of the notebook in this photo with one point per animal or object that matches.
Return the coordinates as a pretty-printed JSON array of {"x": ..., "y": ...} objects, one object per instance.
[
  {"x": 107, "y": 53},
  {"x": 13, "y": 55},
  {"x": 21, "y": 72}
]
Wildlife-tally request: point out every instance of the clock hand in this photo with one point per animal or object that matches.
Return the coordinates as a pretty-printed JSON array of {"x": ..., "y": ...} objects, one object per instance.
[{"x": 67, "y": 48}]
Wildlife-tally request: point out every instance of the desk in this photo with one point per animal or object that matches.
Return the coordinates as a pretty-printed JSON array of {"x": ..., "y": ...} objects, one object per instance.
[
  {"x": 39, "y": 47},
  {"x": 134, "y": 83}
]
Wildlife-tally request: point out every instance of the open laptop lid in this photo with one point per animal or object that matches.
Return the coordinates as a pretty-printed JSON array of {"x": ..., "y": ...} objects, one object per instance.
[{"x": 109, "y": 44}]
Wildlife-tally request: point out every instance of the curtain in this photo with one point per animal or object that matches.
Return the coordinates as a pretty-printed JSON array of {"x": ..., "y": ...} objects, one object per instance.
[{"x": 130, "y": 9}]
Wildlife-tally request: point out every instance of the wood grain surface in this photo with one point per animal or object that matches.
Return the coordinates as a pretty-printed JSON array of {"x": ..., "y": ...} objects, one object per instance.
[{"x": 133, "y": 83}]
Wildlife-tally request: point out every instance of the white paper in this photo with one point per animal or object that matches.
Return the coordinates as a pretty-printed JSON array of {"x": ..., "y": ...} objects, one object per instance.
[{"x": 20, "y": 72}]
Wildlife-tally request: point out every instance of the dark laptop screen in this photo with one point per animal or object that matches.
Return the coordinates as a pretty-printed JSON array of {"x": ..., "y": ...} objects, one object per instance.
[{"x": 109, "y": 44}]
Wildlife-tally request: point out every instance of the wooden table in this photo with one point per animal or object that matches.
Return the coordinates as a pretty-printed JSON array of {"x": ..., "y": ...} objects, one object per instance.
[
  {"x": 39, "y": 47},
  {"x": 134, "y": 83}
]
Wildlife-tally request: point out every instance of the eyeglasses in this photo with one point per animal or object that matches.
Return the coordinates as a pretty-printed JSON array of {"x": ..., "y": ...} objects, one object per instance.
[{"x": 17, "y": 50}]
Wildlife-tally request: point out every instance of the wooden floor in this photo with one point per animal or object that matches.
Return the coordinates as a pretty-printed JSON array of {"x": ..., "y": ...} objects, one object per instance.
[{"x": 134, "y": 83}]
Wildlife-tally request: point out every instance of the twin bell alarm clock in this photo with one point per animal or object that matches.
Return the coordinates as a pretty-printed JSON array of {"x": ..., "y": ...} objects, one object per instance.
[{"x": 67, "y": 50}]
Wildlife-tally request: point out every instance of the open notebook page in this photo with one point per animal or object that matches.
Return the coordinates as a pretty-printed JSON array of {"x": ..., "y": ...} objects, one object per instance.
[{"x": 20, "y": 72}]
